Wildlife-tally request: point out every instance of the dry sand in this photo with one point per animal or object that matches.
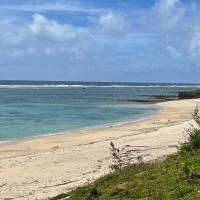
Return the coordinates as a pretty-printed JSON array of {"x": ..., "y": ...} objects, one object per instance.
[{"x": 44, "y": 167}]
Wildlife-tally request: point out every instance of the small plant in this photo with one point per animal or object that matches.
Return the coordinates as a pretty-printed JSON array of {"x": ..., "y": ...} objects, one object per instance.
[
  {"x": 92, "y": 193},
  {"x": 116, "y": 157},
  {"x": 194, "y": 139},
  {"x": 191, "y": 169},
  {"x": 193, "y": 142},
  {"x": 182, "y": 190},
  {"x": 140, "y": 161},
  {"x": 122, "y": 158},
  {"x": 196, "y": 116}
]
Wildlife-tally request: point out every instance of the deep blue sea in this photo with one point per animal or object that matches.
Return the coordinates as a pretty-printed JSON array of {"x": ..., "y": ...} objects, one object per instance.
[{"x": 32, "y": 108}]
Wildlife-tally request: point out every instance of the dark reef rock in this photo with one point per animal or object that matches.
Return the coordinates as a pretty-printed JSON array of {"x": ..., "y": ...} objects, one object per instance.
[
  {"x": 189, "y": 95},
  {"x": 161, "y": 98}
]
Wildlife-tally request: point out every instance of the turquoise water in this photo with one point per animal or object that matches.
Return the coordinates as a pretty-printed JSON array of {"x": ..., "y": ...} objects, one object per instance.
[{"x": 30, "y": 109}]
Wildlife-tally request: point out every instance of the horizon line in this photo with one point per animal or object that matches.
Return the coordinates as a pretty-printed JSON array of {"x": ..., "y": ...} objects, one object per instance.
[{"x": 82, "y": 81}]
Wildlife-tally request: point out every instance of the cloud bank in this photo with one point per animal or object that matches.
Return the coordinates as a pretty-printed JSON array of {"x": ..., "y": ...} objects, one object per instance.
[{"x": 107, "y": 41}]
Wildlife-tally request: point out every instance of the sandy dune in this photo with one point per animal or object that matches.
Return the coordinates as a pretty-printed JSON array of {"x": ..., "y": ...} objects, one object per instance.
[{"x": 46, "y": 166}]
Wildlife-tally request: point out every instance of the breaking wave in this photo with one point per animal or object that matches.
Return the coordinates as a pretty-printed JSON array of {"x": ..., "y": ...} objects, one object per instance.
[{"x": 92, "y": 86}]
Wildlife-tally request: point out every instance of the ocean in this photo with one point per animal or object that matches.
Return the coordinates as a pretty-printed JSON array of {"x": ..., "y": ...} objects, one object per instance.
[{"x": 34, "y": 108}]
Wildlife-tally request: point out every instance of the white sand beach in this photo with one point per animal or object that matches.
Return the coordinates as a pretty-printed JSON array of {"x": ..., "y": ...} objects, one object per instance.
[{"x": 47, "y": 166}]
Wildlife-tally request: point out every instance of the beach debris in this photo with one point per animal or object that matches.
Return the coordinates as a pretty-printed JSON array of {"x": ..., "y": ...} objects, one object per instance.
[
  {"x": 60, "y": 184},
  {"x": 3, "y": 184}
]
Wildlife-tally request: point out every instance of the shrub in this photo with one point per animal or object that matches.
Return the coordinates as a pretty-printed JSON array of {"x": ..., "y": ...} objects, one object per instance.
[
  {"x": 93, "y": 192},
  {"x": 196, "y": 116},
  {"x": 116, "y": 158},
  {"x": 122, "y": 158},
  {"x": 194, "y": 139},
  {"x": 193, "y": 142},
  {"x": 191, "y": 169}
]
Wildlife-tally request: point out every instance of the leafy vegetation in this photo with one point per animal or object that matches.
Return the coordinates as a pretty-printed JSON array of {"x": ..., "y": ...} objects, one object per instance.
[
  {"x": 176, "y": 177},
  {"x": 193, "y": 142},
  {"x": 121, "y": 158},
  {"x": 117, "y": 157}
]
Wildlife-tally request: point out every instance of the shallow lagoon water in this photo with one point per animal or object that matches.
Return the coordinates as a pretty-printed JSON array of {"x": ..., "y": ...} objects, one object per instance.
[{"x": 30, "y": 109}]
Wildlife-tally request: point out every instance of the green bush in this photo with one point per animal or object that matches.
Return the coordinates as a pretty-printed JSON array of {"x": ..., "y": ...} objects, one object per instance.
[
  {"x": 196, "y": 116},
  {"x": 191, "y": 168},
  {"x": 118, "y": 162},
  {"x": 92, "y": 193},
  {"x": 193, "y": 142}
]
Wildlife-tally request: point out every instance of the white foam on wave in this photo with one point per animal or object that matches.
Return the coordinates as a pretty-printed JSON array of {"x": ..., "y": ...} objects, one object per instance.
[{"x": 94, "y": 86}]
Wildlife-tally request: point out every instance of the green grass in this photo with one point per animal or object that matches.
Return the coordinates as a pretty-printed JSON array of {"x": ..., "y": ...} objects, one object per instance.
[{"x": 177, "y": 177}]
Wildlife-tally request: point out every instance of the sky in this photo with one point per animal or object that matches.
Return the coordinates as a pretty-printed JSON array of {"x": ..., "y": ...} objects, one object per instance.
[{"x": 107, "y": 40}]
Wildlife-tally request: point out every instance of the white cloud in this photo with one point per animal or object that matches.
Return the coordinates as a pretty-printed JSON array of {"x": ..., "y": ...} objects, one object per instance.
[
  {"x": 50, "y": 38},
  {"x": 10, "y": 35},
  {"x": 195, "y": 43},
  {"x": 67, "y": 6},
  {"x": 50, "y": 29},
  {"x": 179, "y": 29},
  {"x": 113, "y": 24},
  {"x": 167, "y": 13},
  {"x": 104, "y": 41},
  {"x": 46, "y": 37},
  {"x": 173, "y": 52},
  {"x": 42, "y": 37}
]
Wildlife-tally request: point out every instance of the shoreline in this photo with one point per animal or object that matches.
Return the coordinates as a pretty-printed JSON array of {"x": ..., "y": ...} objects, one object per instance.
[
  {"x": 81, "y": 130},
  {"x": 47, "y": 166}
]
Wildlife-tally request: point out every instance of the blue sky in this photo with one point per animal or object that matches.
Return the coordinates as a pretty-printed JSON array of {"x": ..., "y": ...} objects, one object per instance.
[{"x": 107, "y": 40}]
